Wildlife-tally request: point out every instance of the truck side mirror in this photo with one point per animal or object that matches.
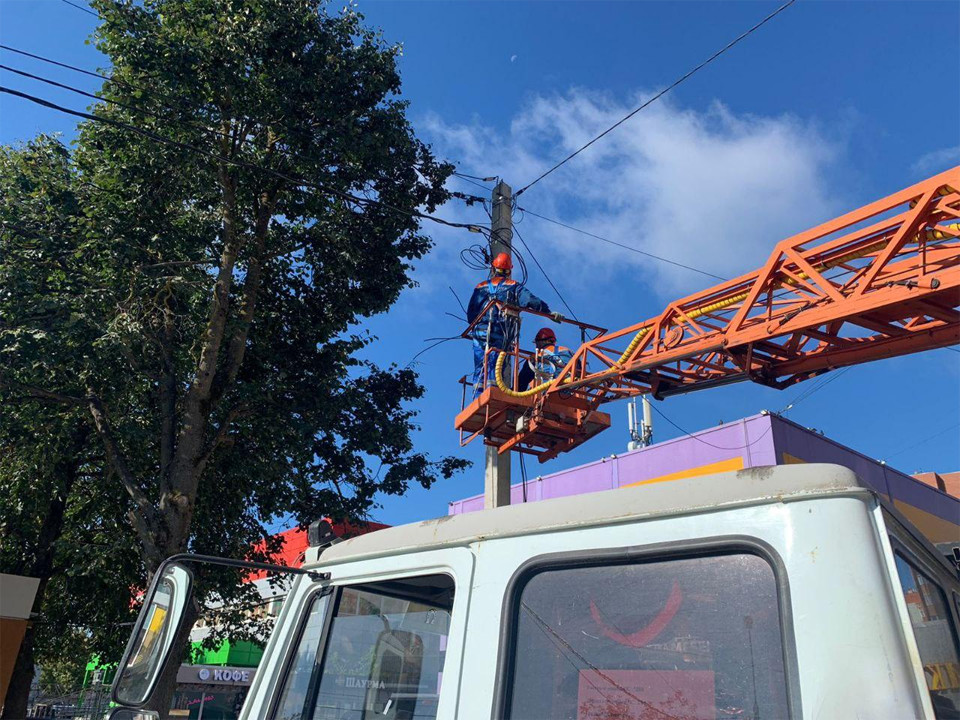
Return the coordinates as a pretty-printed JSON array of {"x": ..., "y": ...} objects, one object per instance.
[{"x": 152, "y": 639}]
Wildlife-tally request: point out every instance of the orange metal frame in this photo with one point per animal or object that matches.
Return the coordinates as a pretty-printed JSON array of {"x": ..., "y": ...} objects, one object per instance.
[
  {"x": 878, "y": 282},
  {"x": 493, "y": 415}
]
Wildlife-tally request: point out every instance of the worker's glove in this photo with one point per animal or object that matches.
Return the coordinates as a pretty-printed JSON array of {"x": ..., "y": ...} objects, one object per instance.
[{"x": 557, "y": 317}]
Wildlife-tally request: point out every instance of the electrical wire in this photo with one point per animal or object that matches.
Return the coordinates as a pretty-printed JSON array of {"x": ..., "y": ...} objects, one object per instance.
[
  {"x": 657, "y": 96},
  {"x": 491, "y": 178},
  {"x": 440, "y": 341},
  {"x": 816, "y": 387},
  {"x": 457, "y": 298},
  {"x": 625, "y": 247},
  {"x": 132, "y": 108},
  {"x": 544, "y": 273},
  {"x": 922, "y": 442},
  {"x": 66, "y": 66},
  {"x": 469, "y": 179},
  {"x": 141, "y": 111},
  {"x": 701, "y": 440},
  {"x": 150, "y": 135},
  {"x": 88, "y": 11}
]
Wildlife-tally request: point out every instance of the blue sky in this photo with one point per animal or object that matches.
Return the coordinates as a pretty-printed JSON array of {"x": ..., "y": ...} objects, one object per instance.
[{"x": 829, "y": 106}]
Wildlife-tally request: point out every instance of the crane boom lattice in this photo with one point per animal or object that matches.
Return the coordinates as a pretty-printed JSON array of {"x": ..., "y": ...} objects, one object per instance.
[{"x": 878, "y": 282}]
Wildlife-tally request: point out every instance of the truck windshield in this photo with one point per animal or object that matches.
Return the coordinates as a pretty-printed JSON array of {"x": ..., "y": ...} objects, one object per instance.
[
  {"x": 677, "y": 638},
  {"x": 382, "y": 655}
]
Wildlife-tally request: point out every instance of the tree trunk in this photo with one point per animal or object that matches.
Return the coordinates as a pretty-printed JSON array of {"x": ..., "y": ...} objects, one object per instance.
[{"x": 18, "y": 695}]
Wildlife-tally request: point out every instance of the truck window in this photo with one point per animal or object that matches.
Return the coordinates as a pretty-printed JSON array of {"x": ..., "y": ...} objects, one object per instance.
[
  {"x": 382, "y": 656},
  {"x": 936, "y": 638},
  {"x": 693, "y": 637}
]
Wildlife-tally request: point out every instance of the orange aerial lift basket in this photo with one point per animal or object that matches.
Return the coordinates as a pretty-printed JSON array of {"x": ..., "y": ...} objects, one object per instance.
[
  {"x": 522, "y": 420},
  {"x": 878, "y": 282}
]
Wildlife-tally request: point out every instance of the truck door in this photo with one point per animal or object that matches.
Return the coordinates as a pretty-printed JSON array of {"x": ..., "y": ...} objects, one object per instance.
[{"x": 383, "y": 640}]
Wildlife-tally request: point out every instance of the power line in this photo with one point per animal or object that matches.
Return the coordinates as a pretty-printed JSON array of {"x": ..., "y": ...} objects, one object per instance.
[
  {"x": 50, "y": 61},
  {"x": 701, "y": 440},
  {"x": 133, "y": 108},
  {"x": 490, "y": 178},
  {"x": 362, "y": 201},
  {"x": 125, "y": 106},
  {"x": 625, "y": 247},
  {"x": 660, "y": 94},
  {"x": 466, "y": 178},
  {"x": 544, "y": 273},
  {"x": 922, "y": 442},
  {"x": 815, "y": 388},
  {"x": 147, "y": 113},
  {"x": 179, "y": 107},
  {"x": 88, "y": 11}
]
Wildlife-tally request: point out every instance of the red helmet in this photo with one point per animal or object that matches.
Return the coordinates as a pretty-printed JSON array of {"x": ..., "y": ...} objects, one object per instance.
[
  {"x": 545, "y": 335},
  {"x": 503, "y": 262}
]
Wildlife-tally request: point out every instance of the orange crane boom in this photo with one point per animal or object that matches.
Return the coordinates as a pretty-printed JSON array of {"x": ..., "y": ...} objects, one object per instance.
[{"x": 878, "y": 282}]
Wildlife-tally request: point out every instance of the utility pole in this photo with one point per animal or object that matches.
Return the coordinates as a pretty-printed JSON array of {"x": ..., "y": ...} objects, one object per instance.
[{"x": 496, "y": 478}]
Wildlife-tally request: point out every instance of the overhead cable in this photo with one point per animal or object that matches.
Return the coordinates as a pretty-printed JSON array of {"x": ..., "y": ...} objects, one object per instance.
[
  {"x": 659, "y": 95},
  {"x": 148, "y": 113},
  {"x": 819, "y": 385},
  {"x": 621, "y": 245},
  {"x": 358, "y": 200},
  {"x": 141, "y": 111},
  {"x": 88, "y": 11},
  {"x": 701, "y": 440},
  {"x": 490, "y": 178},
  {"x": 922, "y": 442},
  {"x": 50, "y": 61},
  {"x": 544, "y": 273},
  {"x": 466, "y": 178},
  {"x": 178, "y": 106}
]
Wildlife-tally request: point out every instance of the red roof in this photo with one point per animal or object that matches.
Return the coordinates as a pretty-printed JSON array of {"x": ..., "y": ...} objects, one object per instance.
[{"x": 295, "y": 543}]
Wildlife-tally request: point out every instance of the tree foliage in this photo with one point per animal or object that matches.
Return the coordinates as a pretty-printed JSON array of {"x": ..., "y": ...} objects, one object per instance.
[
  {"x": 203, "y": 292},
  {"x": 61, "y": 518}
]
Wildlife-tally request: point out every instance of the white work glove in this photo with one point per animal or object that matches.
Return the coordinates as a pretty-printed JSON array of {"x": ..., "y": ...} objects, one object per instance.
[{"x": 557, "y": 317}]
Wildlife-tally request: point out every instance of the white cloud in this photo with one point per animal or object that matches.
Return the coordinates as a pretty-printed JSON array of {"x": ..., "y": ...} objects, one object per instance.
[
  {"x": 937, "y": 161},
  {"x": 712, "y": 189}
]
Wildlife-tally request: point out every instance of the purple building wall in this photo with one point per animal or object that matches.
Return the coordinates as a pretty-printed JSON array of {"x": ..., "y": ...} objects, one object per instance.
[{"x": 751, "y": 442}]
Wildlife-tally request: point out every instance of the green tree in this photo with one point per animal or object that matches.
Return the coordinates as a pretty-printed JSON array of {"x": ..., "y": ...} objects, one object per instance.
[
  {"x": 213, "y": 340},
  {"x": 61, "y": 519}
]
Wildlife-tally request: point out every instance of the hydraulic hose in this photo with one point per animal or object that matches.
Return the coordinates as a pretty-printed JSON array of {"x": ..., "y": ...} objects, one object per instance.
[
  {"x": 713, "y": 307},
  {"x": 510, "y": 392}
]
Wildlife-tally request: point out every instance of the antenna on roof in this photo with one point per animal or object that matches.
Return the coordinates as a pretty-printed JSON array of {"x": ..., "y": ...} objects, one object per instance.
[{"x": 641, "y": 431}]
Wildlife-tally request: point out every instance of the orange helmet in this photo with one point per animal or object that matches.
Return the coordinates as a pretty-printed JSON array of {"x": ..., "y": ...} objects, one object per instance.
[
  {"x": 502, "y": 262},
  {"x": 545, "y": 335}
]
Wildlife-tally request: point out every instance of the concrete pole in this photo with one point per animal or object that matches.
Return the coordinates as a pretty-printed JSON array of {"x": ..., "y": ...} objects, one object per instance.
[{"x": 496, "y": 478}]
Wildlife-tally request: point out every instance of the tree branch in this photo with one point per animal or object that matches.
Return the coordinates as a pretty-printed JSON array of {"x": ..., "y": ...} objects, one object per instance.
[
  {"x": 222, "y": 435},
  {"x": 248, "y": 303},
  {"x": 36, "y": 393},
  {"x": 146, "y": 522},
  {"x": 168, "y": 398},
  {"x": 189, "y": 444}
]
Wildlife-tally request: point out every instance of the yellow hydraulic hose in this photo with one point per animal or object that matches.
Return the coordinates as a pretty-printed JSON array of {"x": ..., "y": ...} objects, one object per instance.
[
  {"x": 712, "y": 307},
  {"x": 501, "y": 357}
]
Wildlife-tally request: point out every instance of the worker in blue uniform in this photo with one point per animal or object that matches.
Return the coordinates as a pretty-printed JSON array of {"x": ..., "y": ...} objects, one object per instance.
[
  {"x": 550, "y": 359},
  {"x": 496, "y": 330}
]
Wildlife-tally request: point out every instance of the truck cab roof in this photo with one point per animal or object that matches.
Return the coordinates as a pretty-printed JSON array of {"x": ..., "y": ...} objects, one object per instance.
[{"x": 751, "y": 486}]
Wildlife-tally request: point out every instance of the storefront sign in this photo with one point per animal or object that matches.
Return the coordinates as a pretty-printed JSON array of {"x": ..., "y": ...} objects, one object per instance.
[{"x": 215, "y": 675}]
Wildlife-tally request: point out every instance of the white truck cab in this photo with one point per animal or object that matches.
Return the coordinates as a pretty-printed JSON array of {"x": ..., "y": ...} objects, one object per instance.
[{"x": 781, "y": 592}]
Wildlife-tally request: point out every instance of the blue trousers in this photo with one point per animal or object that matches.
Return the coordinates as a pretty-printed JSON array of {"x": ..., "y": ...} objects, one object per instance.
[{"x": 478, "y": 351}]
